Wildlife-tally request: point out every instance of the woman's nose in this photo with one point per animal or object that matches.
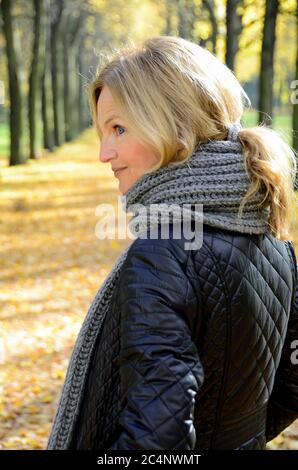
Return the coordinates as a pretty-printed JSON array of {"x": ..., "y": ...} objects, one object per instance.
[{"x": 106, "y": 154}]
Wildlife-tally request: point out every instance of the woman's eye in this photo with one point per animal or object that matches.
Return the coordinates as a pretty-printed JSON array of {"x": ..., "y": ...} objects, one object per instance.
[{"x": 118, "y": 127}]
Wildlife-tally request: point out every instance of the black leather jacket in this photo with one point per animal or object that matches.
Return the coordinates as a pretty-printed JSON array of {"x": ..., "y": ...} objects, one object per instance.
[{"x": 197, "y": 350}]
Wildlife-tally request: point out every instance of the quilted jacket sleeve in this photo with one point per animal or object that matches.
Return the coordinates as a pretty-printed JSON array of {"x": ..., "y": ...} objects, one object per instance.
[
  {"x": 160, "y": 369},
  {"x": 283, "y": 403}
]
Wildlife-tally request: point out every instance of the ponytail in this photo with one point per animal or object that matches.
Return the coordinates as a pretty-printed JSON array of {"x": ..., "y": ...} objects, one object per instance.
[{"x": 272, "y": 166}]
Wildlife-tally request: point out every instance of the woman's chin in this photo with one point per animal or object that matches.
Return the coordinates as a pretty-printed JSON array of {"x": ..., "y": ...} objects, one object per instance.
[{"x": 123, "y": 188}]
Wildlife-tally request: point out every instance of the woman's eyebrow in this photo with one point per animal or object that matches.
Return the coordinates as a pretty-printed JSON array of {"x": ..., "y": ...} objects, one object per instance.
[{"x": 110, "y": 119}]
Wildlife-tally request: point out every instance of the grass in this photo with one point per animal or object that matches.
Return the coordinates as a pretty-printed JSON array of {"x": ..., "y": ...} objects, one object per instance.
[
  {"x": 4, "y": 140},
  {"x": 281, "y": 123}
]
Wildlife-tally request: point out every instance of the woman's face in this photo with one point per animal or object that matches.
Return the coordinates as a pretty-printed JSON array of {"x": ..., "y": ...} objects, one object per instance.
[{"x": 128, "y": 157}]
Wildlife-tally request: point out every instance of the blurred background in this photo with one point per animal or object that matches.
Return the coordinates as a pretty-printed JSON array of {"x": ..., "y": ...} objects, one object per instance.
[{"x": 51, "y": 181}]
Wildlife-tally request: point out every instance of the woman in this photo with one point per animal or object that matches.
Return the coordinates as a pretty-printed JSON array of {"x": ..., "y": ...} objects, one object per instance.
[{"x": 187, "y": 348}]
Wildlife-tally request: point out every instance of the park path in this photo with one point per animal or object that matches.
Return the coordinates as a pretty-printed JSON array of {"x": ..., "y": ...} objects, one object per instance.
[{"x": 52, "y": 265}]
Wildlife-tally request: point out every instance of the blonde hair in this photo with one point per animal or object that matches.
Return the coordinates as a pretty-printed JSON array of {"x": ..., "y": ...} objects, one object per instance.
[{"x": 175, "y": 95}]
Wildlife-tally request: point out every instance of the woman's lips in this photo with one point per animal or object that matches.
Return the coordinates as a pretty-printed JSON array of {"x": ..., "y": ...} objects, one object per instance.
[{"x": 116, "y": 172}]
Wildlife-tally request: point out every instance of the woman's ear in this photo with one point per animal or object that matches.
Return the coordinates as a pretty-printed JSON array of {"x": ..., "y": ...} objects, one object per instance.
[{"x": 180, "y": 145}]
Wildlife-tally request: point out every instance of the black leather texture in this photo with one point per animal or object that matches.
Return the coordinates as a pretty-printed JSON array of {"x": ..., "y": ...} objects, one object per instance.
[{"x": 196, "y": 351}]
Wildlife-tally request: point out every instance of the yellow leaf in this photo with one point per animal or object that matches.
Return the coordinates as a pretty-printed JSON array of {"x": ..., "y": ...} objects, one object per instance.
[
  {"x": 47, "y": 399},
  {"x": 33, "y": 409}
]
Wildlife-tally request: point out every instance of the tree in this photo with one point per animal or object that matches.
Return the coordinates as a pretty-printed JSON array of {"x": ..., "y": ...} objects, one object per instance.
[
  {"x": 267, "y": 60},
  {"x": 210, "y": 8},
  {"x": 17, "y": 155},
  {"x": 35, "y": 79},
  {"x": 58, "y": 96},
  {"x": 46, "y": 85},
  {"x": 169, "y": 10},
  {"x": 234, "y": 29},
  {"x": 81, "y": 65},
  {"x": 71, "y": 28}
]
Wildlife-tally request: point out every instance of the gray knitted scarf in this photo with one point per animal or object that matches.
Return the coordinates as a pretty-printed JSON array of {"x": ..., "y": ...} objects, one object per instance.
[{"x": 215, "y": 176}]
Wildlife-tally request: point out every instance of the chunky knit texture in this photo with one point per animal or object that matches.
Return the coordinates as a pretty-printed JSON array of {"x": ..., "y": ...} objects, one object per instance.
[{"x": 215, "y": 176}]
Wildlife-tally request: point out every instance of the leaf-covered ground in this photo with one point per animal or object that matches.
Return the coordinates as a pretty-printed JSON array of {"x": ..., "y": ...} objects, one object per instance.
[{"x": 52, "y": 265}]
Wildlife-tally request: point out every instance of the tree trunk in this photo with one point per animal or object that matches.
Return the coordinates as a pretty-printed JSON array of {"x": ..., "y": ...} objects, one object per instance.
[
  {"x": 17, "y": 154},
  {"x": 47, "y": 99},
  {"x": 57, "y": 89},
  {"x": 66, "y": 80},
  {"x": 182, "y": 19},
  {"x": 169, "y": 18},
  {"x": 267, "y": 59},
  {"x": 209, "y": 6},
  {"x": 38, "y": 54},
  {"x": 234, "y": 29},
  {"x": 71, "y": 35},
  {"x": 81, "y": 92}
]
